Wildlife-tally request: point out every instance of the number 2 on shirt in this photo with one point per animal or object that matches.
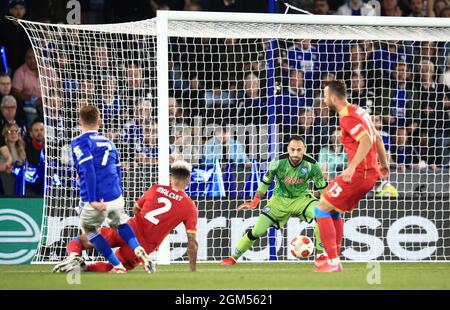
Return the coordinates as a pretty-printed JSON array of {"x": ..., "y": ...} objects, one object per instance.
[
  {"x": 106, "y": 154},
  {"x": 150, "y": 216}
]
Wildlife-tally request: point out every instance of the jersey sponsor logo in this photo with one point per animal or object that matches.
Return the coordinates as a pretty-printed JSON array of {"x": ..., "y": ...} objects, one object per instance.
[
  {"x": 355, "y": 129},
  {"x": 291, "y": 180}
]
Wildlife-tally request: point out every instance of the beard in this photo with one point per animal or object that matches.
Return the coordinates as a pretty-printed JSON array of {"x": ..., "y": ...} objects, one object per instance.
[
  {"x": 331, "y": 106},
  {"x": 295, "y": 160}
]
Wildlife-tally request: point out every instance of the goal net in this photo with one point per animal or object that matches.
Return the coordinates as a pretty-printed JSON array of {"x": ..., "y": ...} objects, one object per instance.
[{"x": 225, "y": 92}]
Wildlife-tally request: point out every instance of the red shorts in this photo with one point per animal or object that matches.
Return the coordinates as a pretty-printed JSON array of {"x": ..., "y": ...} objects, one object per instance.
[
  {"x": 345, "y": 196},
  {"x": 124, "y": 253}
]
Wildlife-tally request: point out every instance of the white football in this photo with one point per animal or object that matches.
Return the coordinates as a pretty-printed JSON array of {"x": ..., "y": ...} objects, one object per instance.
[{"x": 301, "y": 247}]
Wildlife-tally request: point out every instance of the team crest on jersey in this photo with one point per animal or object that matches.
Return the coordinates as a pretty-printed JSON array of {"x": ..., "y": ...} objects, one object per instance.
[
  {"x": 78, "y": 152},
  {"x": 304, "y": 170},
  {"x": 266, "y": 209}
]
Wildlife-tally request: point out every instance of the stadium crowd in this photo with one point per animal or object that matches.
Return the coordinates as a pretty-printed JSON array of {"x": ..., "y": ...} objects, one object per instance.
[{"x": 218, "y": 85}]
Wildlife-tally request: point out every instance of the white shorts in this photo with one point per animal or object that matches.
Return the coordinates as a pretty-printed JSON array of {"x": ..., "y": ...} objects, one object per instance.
[{"x": 114, "y": 214}]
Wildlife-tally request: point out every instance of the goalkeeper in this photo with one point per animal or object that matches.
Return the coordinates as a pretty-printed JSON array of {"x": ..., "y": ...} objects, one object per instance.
[{"x": 291, "y": 197}]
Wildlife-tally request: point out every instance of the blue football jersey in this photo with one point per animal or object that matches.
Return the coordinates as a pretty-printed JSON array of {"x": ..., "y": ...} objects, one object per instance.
[{"x": 97, "y": 162}]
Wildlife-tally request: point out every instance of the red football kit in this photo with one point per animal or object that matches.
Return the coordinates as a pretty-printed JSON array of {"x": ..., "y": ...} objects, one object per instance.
[
  {"x": 162, "y": 208},
  {"x": 355, "y": 122}
]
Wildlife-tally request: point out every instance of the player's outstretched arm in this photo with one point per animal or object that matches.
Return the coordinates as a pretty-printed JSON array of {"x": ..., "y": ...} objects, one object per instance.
[
  {"x": 262, "y": 188},
  {"x": 192, "y": 251},
  {"x": 384, "y": 166},
  {"x": 252, "y": 204}
]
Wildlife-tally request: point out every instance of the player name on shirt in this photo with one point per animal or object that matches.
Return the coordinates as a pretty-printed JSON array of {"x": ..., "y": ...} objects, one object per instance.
[{"x": 169, "y": 194}]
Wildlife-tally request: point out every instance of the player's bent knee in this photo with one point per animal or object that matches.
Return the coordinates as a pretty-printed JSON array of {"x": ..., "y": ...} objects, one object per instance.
[
  {"x": 323, "y": 205},
  {"x": 251, "y": 235}
]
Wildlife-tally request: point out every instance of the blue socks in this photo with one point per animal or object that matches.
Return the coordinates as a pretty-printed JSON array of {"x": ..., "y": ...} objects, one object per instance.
[
  {"x": 127, "y": 234},
  {"x": 319, "y": 213},
  {"x": 335, "y": 216},
  {"x": 101, "y": 245}
]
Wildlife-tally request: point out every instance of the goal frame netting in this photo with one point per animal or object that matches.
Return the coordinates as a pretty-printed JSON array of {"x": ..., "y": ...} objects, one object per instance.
[{"x": 272, "y": 26}]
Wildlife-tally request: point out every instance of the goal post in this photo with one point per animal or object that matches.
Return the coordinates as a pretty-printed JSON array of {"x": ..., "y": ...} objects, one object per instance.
[{"x": 224, "y": 91}]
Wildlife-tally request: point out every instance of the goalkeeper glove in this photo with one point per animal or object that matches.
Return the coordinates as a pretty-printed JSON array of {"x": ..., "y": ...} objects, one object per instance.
[{"x": 250, "y": 205}]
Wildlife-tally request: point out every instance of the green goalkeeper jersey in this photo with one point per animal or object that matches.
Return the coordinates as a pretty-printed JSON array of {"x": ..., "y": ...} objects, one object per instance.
[{"x": 293, "y": 182}]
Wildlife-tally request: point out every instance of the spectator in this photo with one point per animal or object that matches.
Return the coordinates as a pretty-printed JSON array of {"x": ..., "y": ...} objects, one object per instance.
[
  {"x": 332, "y": 158},
  {"x": 426, "y": 152},
  {"x": 434, "y": 109},
  {"x": 147, "y": 150},
  {"x": 382, "y": 61},
  {"x": 444, "y": 78},
  {"x": 6, "y": 90},
  {"x": 445, "y": 12},
  {"x": 16, "y": 147},
  {"x": 8, "y": 109},
  {"x": 293, "y": 98},
  {"x": 326, "y": 76},
  {"x": 184, "y": 146},
  {"x": 56, "y": 129},
  {"x": 27, "y": 88},
  {"x": 390, "y": 8},
  {"x": 304, "y": 57},
  {"x": 112, "y": 107},
  {"x": 305, "y": 129},
  {"x": 135, "y": 88},
  {"x": 416, "y": 7},
  {"x": 360, "y": 95},
  {"x": 403, "y": 154},
  {"x": 251, "y": 108},
  {"x": 13, "y": 35},
  {"x": 377, "y": 121},
  {"x": 217, "y": 97},
  {"x": 403, "y": 108},
  {"x": 6, "y": 162},
  {"x": 321, "y": 7},
  {"x": 356, "y": 7},
  {"x": 36, "y": 147},
  {"x": 193, "y": 100},
  {"x": 324, "y": 122},
  {"x": 439, "y": 6},
  {"x": 224, "y": 148},
  {"x": 174, "y": 112},
  {"x": 357, "y": 63},
  {"x": 132, "y": 134}
]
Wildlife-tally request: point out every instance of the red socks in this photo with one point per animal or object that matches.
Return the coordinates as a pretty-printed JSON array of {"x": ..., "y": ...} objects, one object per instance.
[
  {"x": 75, "y": 246},
  {"x": 339, "y": 228},
  {"x": 328, "y": 236},
  {"x": 99, "y": 267}
]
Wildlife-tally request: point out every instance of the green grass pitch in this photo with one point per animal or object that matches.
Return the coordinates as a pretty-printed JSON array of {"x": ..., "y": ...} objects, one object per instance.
[{"x": 241, "y": 276}]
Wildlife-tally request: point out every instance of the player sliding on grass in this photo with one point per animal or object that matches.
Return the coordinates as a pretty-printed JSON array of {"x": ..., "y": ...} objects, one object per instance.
[
  {"x": 98, "y": 166},
  {"x": 291, "y": 197},
  {"x": 362, "y": 143},
  {"x": 157, "y": 213}
]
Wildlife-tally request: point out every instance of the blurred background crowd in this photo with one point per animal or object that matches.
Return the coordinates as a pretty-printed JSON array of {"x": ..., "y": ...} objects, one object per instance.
[{"x": 221, "y": 84}]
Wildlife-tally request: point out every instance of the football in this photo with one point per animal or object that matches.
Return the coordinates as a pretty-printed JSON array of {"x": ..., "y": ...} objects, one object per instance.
[{"x": 301, "y": 247}]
